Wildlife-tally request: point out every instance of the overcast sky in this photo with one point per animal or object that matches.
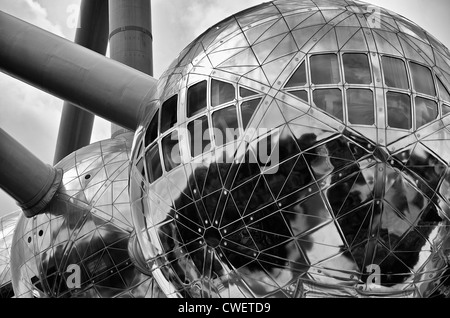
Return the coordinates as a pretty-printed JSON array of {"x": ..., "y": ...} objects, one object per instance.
[{"x": 32, "y": 117}]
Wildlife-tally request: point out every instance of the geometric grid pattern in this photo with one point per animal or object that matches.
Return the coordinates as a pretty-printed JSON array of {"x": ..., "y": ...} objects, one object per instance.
[
  {"x": 86, "y": 230},
  {"x": 7, "y": 225},
  {"x": 352, "y": 200}
]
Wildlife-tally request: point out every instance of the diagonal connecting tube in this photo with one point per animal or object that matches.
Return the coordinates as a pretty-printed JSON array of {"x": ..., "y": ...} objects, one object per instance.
[
  {"x": 25, "y": 178},
  {"x": 104, "y": 87}
]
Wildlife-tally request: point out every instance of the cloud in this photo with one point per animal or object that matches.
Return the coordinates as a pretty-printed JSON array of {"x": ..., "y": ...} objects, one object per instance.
[{"x": 32, "y": 12}]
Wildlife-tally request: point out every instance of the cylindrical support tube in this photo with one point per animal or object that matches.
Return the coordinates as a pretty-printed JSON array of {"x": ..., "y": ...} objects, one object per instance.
[
  {"x": 131, "y": 39},
  {"x": 25, "y": 178},
  {"x": 73, "y": 73},
  {"x": 130, "y": 36},
  {"x": 76, "y": 124}
]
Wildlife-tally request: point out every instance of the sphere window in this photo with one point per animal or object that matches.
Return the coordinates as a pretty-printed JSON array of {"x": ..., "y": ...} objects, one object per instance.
[
  {"x": 226, "y": 127},
  {"x": 196, "y": 98},
  {"x": 426, "y": 111},
  {"x": 422, "y": 79},
  {"x": 302, "y": 94},
  {"x": 329, "y": 100},
  {"x": 444, "y": 94},
  {"x": 324, "y": 69},
  {"x": 152, "y": 131},
  {"x": 395, "y": 73},
  {"x": 169, "y": 113},
  {"x": 445, "y": 109},
  {"x": 248, "y": 109},
  {"x": 199, "y": 135},
  {"x": 399, "y": 110},
  {"x": 357, "y": 69},
  {"x": 298, "y": 78},
  {"x": 246, "y": 92},
  {"x": 221, "y": 93},
  {"x": 171, "y": 151},
  {"x": 153, "y": 160},
  {"x": 360, "y": 106}
]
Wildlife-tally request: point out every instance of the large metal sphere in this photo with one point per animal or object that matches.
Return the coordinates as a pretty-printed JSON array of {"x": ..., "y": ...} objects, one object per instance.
[
  {"x": 80, "y": 246},
  {"x": 334, "y": 178}
]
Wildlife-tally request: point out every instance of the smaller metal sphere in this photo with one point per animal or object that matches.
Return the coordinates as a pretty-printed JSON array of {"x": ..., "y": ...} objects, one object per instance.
[{"x": 83, "y": 245}]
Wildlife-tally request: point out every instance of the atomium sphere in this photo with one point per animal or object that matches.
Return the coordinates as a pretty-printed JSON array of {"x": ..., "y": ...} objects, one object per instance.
[
  {"x": 7, "y": 226},
  {"x": 299, "y": 149},
  {"x": 84, "y": 244}
]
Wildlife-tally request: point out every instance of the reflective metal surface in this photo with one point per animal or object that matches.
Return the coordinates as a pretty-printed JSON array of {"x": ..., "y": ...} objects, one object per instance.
[
  {"x": 350, "y": 199},
  {"x": 84, "y": 243},
  {"x": 7, "y": 226}
]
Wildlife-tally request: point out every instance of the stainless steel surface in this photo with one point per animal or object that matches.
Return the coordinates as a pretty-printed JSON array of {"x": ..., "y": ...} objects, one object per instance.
[
  {"x": 26, "y": 178},
  {"x": 7, "y": 225},
  {"x": 86, "y": 231},
  {"x": 350, "y": 201},
  {"x": 97, "y": 84},
  {"x": 131, "y": 39},
  {"x": 75, "y": 128}
]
